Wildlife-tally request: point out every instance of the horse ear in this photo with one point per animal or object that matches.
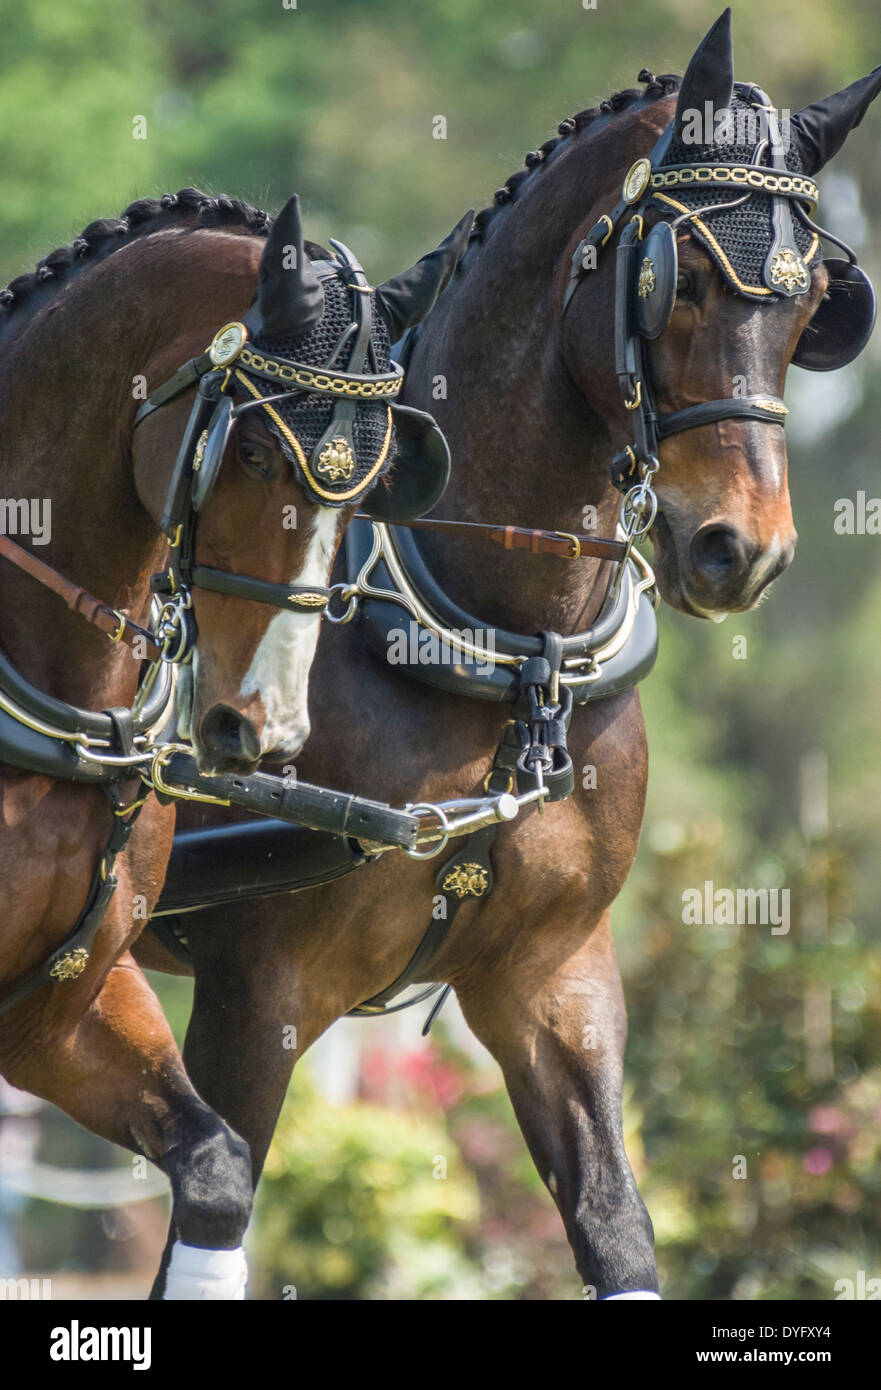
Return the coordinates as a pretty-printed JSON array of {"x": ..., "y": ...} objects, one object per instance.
[
  {"x": 709, "y": 76},
  {"x": 821, "y": 129},
  {"x": 407, "y": 298},
  {"x": 289, "y": 294}
]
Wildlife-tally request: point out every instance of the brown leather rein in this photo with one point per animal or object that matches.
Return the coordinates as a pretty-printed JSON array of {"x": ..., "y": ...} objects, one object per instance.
[
  {"x": 120, "y": 628},
  {"x": 565, "y": 544},
  {"x": 117, "y": 625}
]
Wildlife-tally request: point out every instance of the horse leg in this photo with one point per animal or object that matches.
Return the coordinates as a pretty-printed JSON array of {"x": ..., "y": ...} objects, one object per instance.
[
  {"x": 250, "y": 1023},
  {"x": 558, "y": 1031},
  {"x": 117, "y": 1071}
]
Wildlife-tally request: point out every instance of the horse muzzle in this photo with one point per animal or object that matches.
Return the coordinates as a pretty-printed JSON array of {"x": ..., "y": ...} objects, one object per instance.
[{"x": 226, "y": 741}]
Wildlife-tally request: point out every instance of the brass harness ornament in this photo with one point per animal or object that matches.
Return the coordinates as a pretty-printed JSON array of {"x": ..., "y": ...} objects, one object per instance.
[
  {"x": 647, "y": 280},
  {"x": 71, "y": 965},
  {"x": 789, "y": 269},
  {"x": 467, "y": 880},
  {"x": 336, "y": 460}
]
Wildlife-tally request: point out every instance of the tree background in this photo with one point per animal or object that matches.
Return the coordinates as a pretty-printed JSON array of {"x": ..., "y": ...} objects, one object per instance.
[{"x": 765, "y": 771}]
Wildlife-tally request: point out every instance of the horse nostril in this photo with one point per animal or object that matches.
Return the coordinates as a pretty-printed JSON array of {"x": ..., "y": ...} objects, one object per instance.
[
  {"x": 718, "y": 555},
  {"x": 228, "y": 737}
]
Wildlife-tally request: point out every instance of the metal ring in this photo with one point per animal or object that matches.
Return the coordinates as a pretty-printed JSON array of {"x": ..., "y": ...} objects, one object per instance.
[
  {"x": 632, "y": 517},
  {"x": 427, "y": 808},
  {"x": 346, "y": 593},
  {"x": 511, "y": 779}
]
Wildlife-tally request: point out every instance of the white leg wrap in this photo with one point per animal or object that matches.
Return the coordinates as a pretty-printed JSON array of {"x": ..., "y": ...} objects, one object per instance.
[
  {"x": 194, "y": 1273},
  {"x": 635, "y": 1293}
]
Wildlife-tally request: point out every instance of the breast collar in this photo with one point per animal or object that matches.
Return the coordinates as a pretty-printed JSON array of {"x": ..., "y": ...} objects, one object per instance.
[{"x": 453, "y": 650}]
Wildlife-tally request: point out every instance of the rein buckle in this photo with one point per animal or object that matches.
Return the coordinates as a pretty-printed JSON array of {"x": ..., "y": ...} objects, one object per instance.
[{"x": 576, "y": 545}]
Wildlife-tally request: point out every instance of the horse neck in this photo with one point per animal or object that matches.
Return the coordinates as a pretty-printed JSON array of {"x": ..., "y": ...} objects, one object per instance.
[
  {"x": 67, "y": 402},
  {"x": 527, "y": 449}
]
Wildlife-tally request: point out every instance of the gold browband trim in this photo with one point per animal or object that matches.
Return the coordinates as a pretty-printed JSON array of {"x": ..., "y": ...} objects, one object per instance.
[
  {"x": 301, "y": 457},
  {"x": 729, "y": 268},
  {"x": 741, "y": 176},
  {"x": 279, "y": 370}
]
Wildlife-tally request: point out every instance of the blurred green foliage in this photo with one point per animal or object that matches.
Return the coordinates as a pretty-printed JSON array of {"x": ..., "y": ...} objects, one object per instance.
[
  {"x": 337, "y": 99},
  {"x": 361, "y": 1202}
]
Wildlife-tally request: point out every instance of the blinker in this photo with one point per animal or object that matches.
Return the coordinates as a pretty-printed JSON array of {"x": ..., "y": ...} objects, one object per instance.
[
  {"x": 655, "y": 290},
  {"x": 843, "y": 323},
  {"x": 420, "y": 471},
  {"x": 209, "y": 451}
]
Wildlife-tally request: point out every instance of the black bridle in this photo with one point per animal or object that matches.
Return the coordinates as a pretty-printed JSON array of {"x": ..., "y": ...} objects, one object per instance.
[
  {"x": 638, "y": 462},
  {"x": 207, "y": 432}
]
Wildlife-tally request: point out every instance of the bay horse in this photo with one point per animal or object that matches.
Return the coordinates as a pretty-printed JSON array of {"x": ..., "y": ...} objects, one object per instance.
[
  {"x": 533, "y": 413},
  {"x": 94, "y": 410}
]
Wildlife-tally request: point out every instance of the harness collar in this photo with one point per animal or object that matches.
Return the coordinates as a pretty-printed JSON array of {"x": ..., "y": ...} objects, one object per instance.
[{"x": 387, "y": 574}]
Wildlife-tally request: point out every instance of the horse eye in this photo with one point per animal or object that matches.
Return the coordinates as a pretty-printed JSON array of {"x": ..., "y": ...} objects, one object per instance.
[
  {"x": 684, "y": 286},
  {"x": 256, "y": 458}
]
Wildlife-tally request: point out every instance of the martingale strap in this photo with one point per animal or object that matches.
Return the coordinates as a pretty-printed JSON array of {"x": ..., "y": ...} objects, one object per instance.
[{"x": 468, "y": 874}]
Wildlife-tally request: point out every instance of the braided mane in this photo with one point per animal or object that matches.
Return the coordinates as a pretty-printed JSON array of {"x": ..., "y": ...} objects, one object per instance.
[
  {"x": 100, "y": 239},
  {"x": 655, "y": 89}
]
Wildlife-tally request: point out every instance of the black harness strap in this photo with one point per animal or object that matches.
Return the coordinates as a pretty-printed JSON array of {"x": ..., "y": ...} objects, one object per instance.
[
  {"x": 71, "y": 958},
  {"x": 708, "y": 412},
  {"x": 185, "y": 377},
  {"x": 531, "y": 753},
  {"x": 172, "y": 936},
  {"x": 304, "y": 597},
  {"x": 468, "y": 874}
]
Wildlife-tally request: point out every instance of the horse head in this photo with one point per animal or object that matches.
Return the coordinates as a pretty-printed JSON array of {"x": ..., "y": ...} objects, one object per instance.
[
  {"x": 718, "y": 284},
  {"x": 293, "y": 426}
]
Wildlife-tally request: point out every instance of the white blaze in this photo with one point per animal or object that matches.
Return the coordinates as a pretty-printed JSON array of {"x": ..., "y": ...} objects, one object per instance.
[{"x": 279, "y": 672}]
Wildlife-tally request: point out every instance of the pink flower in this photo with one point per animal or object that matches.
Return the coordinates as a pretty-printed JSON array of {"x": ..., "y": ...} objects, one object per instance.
[
  {"x": 826, "y": 1119},
  {"x": 817, "y": 1161}
]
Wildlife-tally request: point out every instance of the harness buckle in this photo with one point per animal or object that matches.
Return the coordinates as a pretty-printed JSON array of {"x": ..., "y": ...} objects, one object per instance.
[
  {"x": 606, "y": 218},
  {"x": 637, "y": 399},
  {"x": 576, "y": 545}
]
